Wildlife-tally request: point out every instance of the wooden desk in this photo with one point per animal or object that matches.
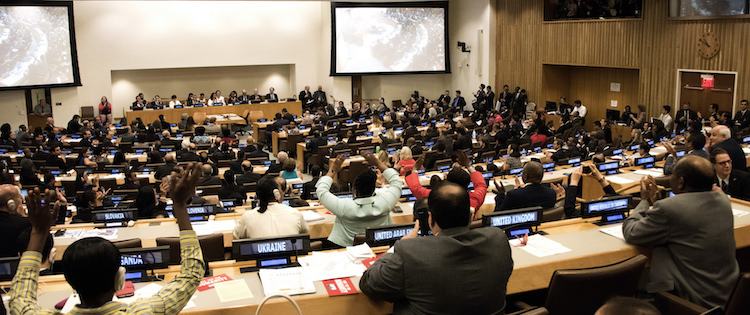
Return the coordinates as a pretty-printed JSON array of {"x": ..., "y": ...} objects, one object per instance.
[
  {"x": 173, "y": 115},
  {"x": 621, "y": 133},
  {"x": 589, "y": 248}
]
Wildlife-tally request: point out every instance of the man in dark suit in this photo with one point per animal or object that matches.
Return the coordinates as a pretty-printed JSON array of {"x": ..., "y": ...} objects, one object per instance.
[
  {"x": 275, "y": 166},
  {"x": 56, "y": 158},
  {"x": 309, "y": 187},
  {"x": 458, "y": 102},
  {"x": 12, "y": 223},
  {"x": 306, "y": 98},
  {"x": 684, "y": 118},
  {"x": 319, "y": 97},
  {"x": 489, "y": 99},
  {"x": 518, "y": 103},
  {"x": 445, "y": 100},
  {"x": 244, "y": 98},
  {"x": 208, "y": 179},
  {"x": 721, "y": 137},
  {"x": 691, "y": 235},
  {"x": 271, "y": 96},
  {"x": 187, "y": 154},
  {"x": 164, "y": 170},
  {"x": 534, "y": 194},
  {"x": 456, "y": 271},
  {"x": 741, "y": 119},
  {"x": 248, "y": 176},
  {"x": 505, "y": 98},
  {"x": 730, "y": 181},
  {"x": 256, "y": 98}
]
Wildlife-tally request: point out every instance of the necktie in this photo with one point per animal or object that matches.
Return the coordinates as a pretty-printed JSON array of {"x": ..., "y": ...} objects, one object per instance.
[{"x": 724, "y": 186}]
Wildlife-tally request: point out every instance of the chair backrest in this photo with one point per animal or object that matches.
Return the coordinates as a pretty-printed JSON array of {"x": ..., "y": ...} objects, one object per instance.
[
  {"x": 129, "y": 193},
  {"x": 255, "y": 115},
  {"x": 583, "y": 291},
  {"x": 738, "y": 301},
  {"x": 212, "y": 246},
  {"x": 199, "y": 117},
  {"x": 486, "y": 208},
  {"x": 131, "y": 243},
  {"x": 553, "y": 214},
  {"x": 87, "y": 112}
]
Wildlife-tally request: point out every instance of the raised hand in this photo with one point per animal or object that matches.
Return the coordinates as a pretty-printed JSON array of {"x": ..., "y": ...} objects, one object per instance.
[
  {"x": 418, "y": 164},
  {"x": 462, "y": 158},
  {"x": 182, "y": 187},
  {"x": 43, "y": 209},
  {"x": 559, "y": 191}
]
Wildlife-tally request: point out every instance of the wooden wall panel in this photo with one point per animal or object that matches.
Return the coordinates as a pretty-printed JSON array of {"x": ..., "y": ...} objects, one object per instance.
[{"x": 654, "y": 45}]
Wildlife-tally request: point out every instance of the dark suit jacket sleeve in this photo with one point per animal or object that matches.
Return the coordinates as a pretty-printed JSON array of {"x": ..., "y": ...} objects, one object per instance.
[
  {"x": 570, "y": 202},
  {"x": 384, "y": 280},
  {"x": 646, "y": 227}
]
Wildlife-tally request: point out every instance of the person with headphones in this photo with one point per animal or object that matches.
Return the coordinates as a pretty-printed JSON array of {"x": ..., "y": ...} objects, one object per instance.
[
  {"x": 92, "y": 265},
  {"x": 12, "y": 220},
  {"x": 368, "y": 209},
  {"x": 271, "y": 218}
]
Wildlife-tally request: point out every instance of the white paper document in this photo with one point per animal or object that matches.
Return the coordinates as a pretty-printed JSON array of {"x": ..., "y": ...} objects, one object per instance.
[
  {"x": 211, "y": 227},
  {"x": 142, "y": 293},
  {"x": 332, "y": 265},
  {"x": 615, "y": 230},
  {"x": 619, "y": 179},
  {"x": 739, "y": 213},
  {"x": 289, "y": 281},
  {"x": 541, "y": 246},
  {"x": 107, "y": 234},
  {"x": 71, "y": 233},
  {"x": 311, "y": 215},
  {"x": 650, "y": 171}
]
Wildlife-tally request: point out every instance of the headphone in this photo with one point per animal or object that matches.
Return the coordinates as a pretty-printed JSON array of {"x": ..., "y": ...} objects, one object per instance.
[
  {"x": 120, "y": 279},
  {"x": 276, "y": 195},
  {"x": 11, "y": 205}
]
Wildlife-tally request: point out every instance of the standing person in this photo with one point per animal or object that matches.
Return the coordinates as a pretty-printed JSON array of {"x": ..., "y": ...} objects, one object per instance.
[
  {"x": 742, "y": 118},
  {"x": 105, "y": 110},
  {"x": 43, "y": 109},
  {"x": 455, "y": 271},
  {"x": 306, "y": 98},
  {"x": 458, "y": 102},
  {"x": 367, "y": 209},
  {"x": 519, "y": 103},
  {"x": 691, "y": 235},
  {"x": 684, "y": 118},
  {"x": 319, "y": 97},
  {"x": 666, "y": 118},
  {"x": 489, "y": 99},
  {"x": 93, "y": 267}
]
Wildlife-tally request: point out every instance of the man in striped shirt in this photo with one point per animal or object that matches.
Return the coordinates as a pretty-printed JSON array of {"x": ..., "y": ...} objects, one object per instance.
[{"x": 93, "y": 264}]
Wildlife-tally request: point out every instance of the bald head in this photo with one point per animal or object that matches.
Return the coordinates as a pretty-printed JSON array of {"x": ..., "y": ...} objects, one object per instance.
[
  {"x": 207, "y": 169},
  {"x": 9, "y": 192},
  {"x": 168, "y": 158},
  {"x": 533, "y": 172},
  {"x": 247, "y": 166},
  {"x": 250, "y": 140},
  {"x": 692, "y": 174},
  {"x": 449, "y": 205},
  {"x": 282, "y": 156}
]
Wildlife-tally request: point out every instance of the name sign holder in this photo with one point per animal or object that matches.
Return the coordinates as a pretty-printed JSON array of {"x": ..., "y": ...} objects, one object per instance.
[
  {"x": 271, "y": 252},
  {"x": 516, "y": 222},
  {"x": 138, "y": 261},
  {"x": 113, "y": 218},
  {"x": 610, "y": 209},
  {"x": 387, "y": 235}
]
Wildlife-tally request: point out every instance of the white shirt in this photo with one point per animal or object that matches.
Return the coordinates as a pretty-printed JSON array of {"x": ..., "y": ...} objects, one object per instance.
[
  {"x": 219, "y": 100},
  {"x": 667, "y": 120},
  {"x": 581, "y": 111},
  {"x": 173, "y": 103},
  {"x": 278, "y": 220}
]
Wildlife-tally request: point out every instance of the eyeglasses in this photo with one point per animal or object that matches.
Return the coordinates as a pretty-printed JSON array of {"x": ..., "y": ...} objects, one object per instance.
[{"x": 724, "y": 163}]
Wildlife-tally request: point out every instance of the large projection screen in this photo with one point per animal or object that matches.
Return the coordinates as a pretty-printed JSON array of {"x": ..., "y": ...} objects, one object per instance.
[
  {"x": 389, "y": 38},
  {"x": 37, "y": 45}
]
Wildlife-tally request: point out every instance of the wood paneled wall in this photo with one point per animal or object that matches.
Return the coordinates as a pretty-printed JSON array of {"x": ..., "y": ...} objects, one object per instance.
[{"x": 654, "y": 45}]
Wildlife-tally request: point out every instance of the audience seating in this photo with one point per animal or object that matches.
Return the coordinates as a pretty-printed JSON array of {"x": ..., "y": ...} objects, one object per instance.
[
  {"x": 128, "y": 193},
  {"x": 212, "y": 246},
  {"x": 738, "y": 303},
  {"x": 209, "y": 190},
  {"x": 359, "y": 239},
  {"x": 486, "y": 208},
  {"x": 583, "y": 291},
  {"x": 553, "y": 214}
]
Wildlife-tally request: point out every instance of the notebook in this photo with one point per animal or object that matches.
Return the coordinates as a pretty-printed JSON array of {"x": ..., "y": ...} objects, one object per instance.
[{"x": 289, "y": 281}]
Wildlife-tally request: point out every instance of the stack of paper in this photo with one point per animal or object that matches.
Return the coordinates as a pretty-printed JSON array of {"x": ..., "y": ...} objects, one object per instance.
[
  {"x": 739, "y": 213},
  {"x": 71, "y": 233},
  {"x": 311, "y": 215},
  {"x": 541, "y": 246},
  {"x": 615, "y": 230},
  {"x": 210, "y": 227},
  {"x": 619, "y": 179},
  {"x": 107, "y": 234},
  {"x": 650, "y": 171},
  {"x": 360, "y": 252},
  {"x": 331, "y": 265},
  {"x": 289, "y": 281}
]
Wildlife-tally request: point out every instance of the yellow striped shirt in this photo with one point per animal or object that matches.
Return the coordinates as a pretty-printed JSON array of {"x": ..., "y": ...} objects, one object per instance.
[{"x": 169, "y": 300}]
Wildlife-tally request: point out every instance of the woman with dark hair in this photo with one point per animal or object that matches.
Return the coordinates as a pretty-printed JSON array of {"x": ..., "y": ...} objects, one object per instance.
[
  {"x": 230, "y": 189},
  {"x": 7, "y": 137},
  {"x": 189, "y": 123},
  {"x": 5, "y": 176},
  {"x": 514, "y": 159},
  {"x": 105, "y": 110},
  {"x": 84, "y": 158},
  {"x": 119, "y": 159},
  {"x": 148, "y": 204},
  {"x": 28, "y": 175},
  {"x": 271, "y": 218},
  {"x": 227, "y": 136},
  {"x": 154, "y": 157}
]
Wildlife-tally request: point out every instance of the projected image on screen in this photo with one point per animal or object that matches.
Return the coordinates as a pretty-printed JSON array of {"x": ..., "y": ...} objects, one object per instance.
[
  {"x": 690, "y": 8},
  {"x": 392, "y": 39},
  {"x": 35, "y": 46}
]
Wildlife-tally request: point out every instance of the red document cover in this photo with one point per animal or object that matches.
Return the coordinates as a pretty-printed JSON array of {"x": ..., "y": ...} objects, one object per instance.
[
  {"x": 208, "y": 283},
  {"x": 368, "y": 262},
  {"x": 341, "y": 286}
]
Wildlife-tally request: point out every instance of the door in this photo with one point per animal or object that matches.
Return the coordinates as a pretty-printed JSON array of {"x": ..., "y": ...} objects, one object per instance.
[{"x": 701, "y": 98}]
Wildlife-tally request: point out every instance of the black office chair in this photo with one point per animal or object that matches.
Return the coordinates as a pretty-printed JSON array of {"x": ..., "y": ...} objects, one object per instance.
[{"x": 212, "y": 246}]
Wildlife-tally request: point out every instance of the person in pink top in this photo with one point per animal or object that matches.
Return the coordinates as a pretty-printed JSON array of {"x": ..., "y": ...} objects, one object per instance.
[
  {"x": 456, "y": 175},
  {"x": 105, "y": 110},
  {"x": 405, "y": 160}
]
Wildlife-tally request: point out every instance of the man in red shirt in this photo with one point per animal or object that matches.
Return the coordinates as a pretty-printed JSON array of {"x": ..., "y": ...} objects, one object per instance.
[{"x": 456, "y": 175}]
